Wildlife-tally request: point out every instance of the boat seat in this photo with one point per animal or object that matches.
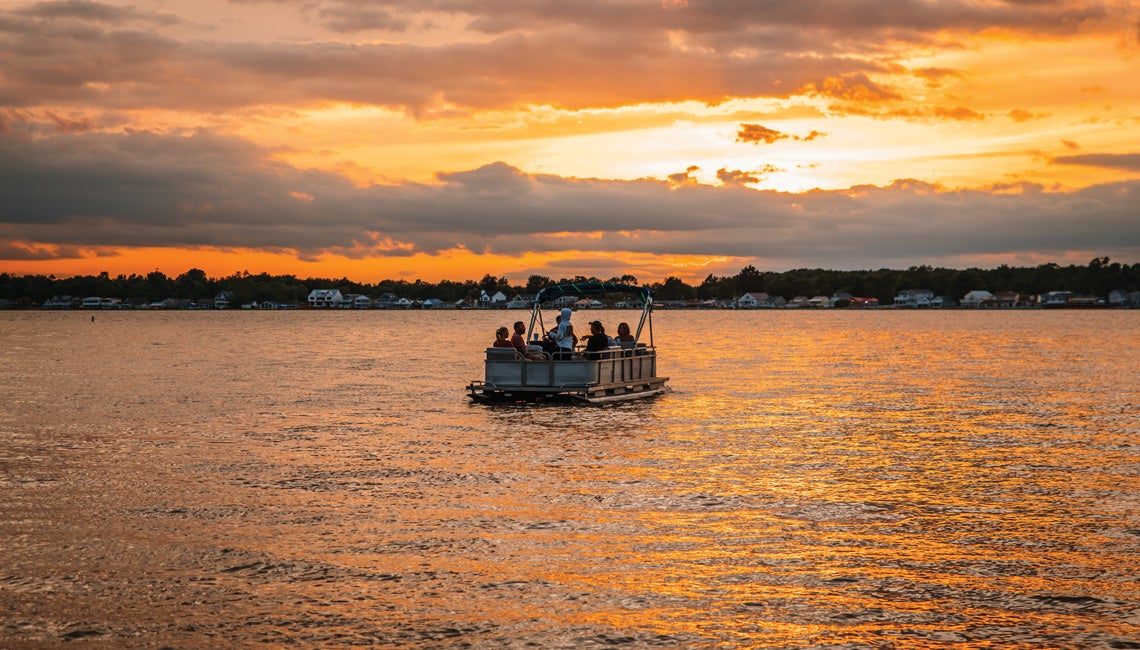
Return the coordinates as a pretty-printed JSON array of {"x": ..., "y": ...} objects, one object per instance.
[{"x": 500, "y": 354}]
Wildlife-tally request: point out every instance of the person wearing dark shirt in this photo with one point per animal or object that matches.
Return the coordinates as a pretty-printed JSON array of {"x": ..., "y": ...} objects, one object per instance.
[
  {"x": 623, "y": 335},
  {"x": 519, "y": 343},
  {"x": 501, "y": 338},
  {"x": 598, "y": 340}
]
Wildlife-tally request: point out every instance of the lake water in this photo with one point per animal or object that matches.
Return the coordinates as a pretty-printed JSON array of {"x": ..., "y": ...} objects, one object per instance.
[{"x": 816, "y": 479}]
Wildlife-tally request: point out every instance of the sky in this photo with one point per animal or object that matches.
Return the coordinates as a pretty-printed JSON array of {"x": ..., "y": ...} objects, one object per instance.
[{"x": 449, "y": 139}]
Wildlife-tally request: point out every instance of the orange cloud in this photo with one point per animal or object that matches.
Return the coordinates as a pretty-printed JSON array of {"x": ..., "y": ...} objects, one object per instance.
[
  {"x": 957, "y": 113},
  {"x": 756, "y": 133}
]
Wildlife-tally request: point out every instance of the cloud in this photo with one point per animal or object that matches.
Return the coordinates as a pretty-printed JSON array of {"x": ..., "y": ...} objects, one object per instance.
[
  {"x": 853, "y": 88},
  {"x": 97, "y": 12},
  {"x": 756, "y": 134},
  {"x": 353, "y": 18},
  {"x": 91, "y": 191},
  {"x": 1125, "y": 161},
  {"x": 736, "y": 177},
  {"x": 957, "y": 113},
  {"x": 934, "y": 76},
  {"x": 512, "y": 53},
  {"x": 1022, "y": 115}
]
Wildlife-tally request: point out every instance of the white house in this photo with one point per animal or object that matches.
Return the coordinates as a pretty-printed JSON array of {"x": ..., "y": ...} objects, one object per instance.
[
  {"x": 751, "y": 300},
  {"x": 1116, "y": 298},
  {"x": 521, "y": 302},
  {"x": 798, "y": 302},
  {"x": 1004, "y": 300},
  {"x": 355, "y": 301},
  {"x": 914, "y": 298},
  {"x": 487, "y": 300},
  {"x": 975, "y": 298},
  {"x": 58, "y": 302},
  {"x": 820, "y": 302},
  {"x": 325, "y": 298},
  {"x": 224, "y": 300},
  {"x": 1054, "y": 298}
]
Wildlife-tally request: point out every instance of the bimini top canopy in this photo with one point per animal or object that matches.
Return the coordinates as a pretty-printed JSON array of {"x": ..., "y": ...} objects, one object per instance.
[{"x": 583, "y": 288}]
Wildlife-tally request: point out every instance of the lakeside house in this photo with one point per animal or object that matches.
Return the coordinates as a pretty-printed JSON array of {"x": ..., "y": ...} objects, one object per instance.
[
  {"x": 356, "y": 301},
  {"x": 1121, "y": 298},
  {"x": 758, "y": 300},
  {"x": 864, "y": 303},
  {"x": 492, "y": 300},
  {"x": 95, "y": 302},
  {"x": 974, "y": 299},
  {"x": 522, "y": 301},
  {"x": 915, "y": 298},
  {"x": 325, "y": 298},
  {"x": 750, "y": 300},
  {"x": 1003, "y": 300},
  {"x": 819, "y": 302},
  {"x": 60, "y": 302},
  {"x": 910, "y": 298}
]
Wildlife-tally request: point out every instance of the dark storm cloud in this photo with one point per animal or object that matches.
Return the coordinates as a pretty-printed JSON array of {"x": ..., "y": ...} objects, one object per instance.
[
  {"x": 568, "y": 54},
  {"x": 202, "y": 190},
  {"x": 134, "y": 69}
]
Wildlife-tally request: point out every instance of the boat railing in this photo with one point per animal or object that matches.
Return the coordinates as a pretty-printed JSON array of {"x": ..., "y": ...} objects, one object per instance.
[
  {"x": 579, "y": 355},
  {"x": 506, "y": 367}
]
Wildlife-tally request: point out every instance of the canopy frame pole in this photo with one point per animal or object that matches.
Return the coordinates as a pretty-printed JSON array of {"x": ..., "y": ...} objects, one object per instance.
[
  {"x": 535, "y": 315},
  {"x": 644, "y": 317}
]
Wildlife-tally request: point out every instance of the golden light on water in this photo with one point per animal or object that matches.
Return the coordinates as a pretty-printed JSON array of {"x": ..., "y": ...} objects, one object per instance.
[{"x": 814, "y": 479}]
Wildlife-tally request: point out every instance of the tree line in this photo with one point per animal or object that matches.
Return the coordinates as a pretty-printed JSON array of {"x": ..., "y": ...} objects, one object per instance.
[{"x": 1098, "y": 278}]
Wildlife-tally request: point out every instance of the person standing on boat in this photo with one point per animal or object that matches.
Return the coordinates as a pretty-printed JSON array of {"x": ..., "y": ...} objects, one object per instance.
[{"x": 564, "y": 336}]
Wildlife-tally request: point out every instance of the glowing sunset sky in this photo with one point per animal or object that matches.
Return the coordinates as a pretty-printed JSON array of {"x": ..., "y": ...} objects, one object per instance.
[{"x": 441, "y": 139}]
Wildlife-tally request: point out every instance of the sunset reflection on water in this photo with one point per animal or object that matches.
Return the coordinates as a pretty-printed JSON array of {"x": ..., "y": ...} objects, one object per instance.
[{"x": 842, "y": 479}]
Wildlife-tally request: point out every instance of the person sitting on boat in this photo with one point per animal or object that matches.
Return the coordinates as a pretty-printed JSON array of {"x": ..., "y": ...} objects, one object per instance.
[
  {"x": 623, "y": 335},
  {"x": 598, "y": 340},
  {"x": 564, "y": 337},
  {"x": 518, "y": 342},
  {"x": 501, "y": 340}
]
